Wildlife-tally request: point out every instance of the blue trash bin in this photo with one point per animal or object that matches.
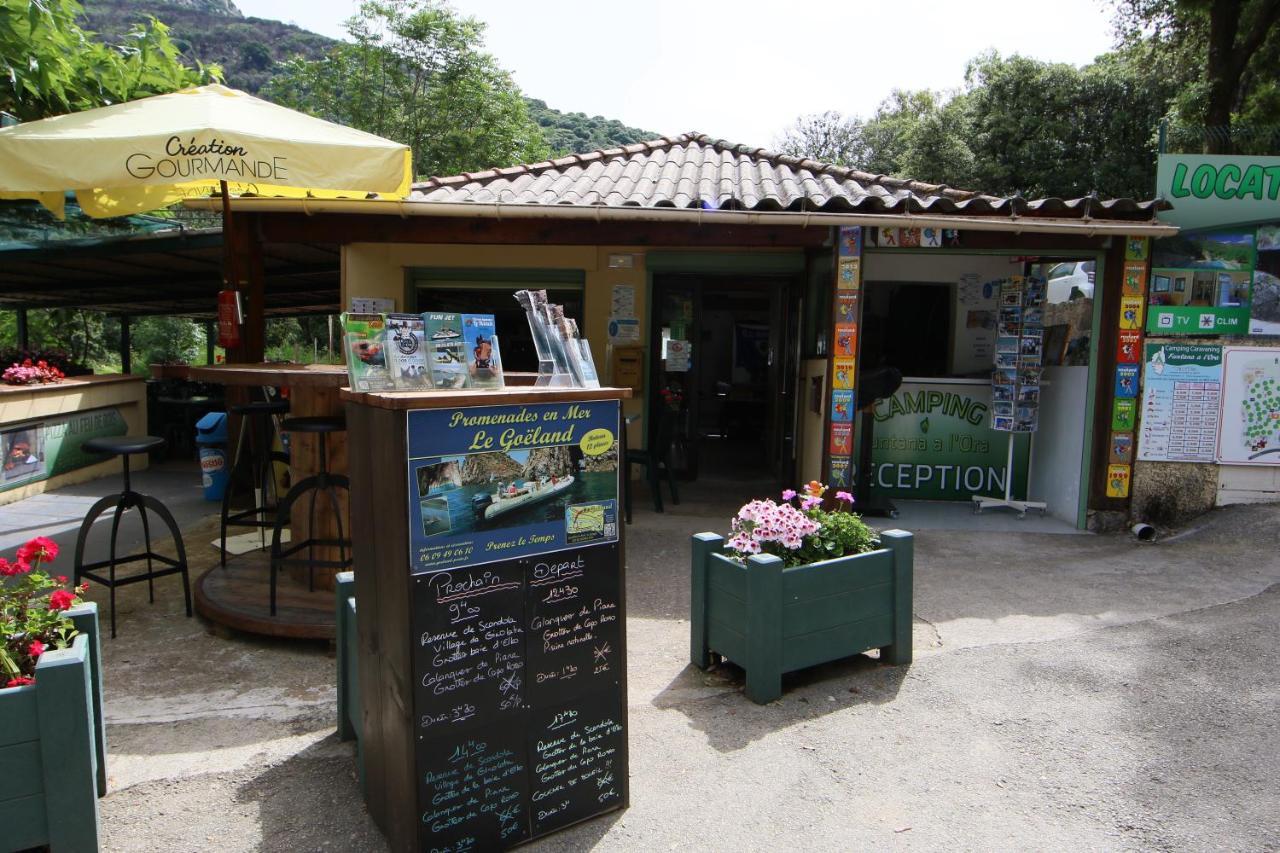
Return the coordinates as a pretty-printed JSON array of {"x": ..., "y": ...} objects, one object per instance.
[{"x": 211, "y": 437}]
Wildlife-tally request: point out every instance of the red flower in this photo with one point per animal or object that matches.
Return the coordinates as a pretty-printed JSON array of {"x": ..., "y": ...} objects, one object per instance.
[
  {"x": 60, "y": 599},
  {"x": 62, "y": 578},
  {"x": 41, "y": 548},
  {"x": 20, "y": 681},
  {"x": 10, "y": 569},
  {"x": 35, "y": 649}
]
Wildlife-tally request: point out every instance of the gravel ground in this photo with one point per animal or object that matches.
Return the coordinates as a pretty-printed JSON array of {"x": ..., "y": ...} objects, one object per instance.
[{"x": 1068, "y": 692}]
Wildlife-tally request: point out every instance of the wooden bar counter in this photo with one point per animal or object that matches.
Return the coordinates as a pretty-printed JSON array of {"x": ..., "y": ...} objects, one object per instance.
[{"x": 237, "y": 597}]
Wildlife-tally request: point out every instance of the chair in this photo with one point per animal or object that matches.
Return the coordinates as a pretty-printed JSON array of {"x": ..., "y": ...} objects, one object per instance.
[
  {"x": 657, "y": 462},
  {"x": 124, "y": 447},
  {"x": 258, "y": 425},
  {"x": 322, "y": 481}
]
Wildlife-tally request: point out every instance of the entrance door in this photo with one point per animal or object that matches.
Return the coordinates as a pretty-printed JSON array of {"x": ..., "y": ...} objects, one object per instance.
[{"x": 725, "y": 362}]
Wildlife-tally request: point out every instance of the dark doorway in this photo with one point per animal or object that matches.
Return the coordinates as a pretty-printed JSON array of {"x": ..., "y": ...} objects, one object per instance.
[{"x": 731, "y": 393}]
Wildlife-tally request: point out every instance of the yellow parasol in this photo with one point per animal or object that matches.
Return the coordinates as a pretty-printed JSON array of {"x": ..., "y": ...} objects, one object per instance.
[
  {"x": 153, "y": 152},
  {"x": 150, "y": 153}
]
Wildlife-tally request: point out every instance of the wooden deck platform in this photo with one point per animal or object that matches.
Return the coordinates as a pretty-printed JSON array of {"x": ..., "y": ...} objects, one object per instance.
[{"x": 238, "y": 597}]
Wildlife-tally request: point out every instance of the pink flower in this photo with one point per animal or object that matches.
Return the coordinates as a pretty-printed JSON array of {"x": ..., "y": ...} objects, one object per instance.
[
  {"x": 844, "y": 496},
  {"x": 810, "y": 502},
  {"x": 35, "y": 649},
  {"x": 788, "y": 494}
]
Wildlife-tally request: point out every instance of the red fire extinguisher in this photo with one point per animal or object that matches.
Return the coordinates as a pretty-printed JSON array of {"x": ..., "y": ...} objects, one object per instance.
[{"x": 230, "y": 316}]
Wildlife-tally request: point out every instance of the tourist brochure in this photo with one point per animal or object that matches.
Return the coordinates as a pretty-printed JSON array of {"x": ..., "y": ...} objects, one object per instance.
[
  {"x": 484, "y": 362},
  {"x": 364, "y": 342},
  {"x": 406, "y": 352},
  {"x": 446, "y": 349}
]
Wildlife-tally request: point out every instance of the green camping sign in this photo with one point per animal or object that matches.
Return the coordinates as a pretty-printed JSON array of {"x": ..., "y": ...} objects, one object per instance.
[{"x": 933, "y": 441}]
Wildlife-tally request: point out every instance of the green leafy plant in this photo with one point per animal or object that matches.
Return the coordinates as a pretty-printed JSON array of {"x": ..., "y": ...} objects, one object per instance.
[
  {"x": 33, "y": 611},
  {"x": 815, "y": 530}
]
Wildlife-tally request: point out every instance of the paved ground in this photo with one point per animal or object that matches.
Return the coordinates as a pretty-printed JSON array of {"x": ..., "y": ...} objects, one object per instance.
[{"x": 1068, "y": 692}]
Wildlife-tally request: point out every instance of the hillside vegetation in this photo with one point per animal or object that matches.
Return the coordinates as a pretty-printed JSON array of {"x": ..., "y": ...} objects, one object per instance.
[{"x": 249, "y": 49}]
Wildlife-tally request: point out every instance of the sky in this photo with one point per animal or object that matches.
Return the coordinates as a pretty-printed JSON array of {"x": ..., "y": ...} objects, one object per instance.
[{"x": 744, "y": 70}]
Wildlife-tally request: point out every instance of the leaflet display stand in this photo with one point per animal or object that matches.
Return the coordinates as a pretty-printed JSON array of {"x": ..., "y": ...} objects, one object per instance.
[{"x": 981, "y": 502}]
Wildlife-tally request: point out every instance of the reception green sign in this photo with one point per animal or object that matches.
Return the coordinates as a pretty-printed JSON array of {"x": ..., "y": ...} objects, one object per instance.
[
  {"x": 933, "y": 441},
  {"x": 42, "y": 449}
]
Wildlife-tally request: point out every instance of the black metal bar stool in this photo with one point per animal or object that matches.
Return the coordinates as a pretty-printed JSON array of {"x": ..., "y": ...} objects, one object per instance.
[
  {"x": 312, "y": 486},
  {"x": 124, "y": 447},
  {"x": 259, "y": 423}
]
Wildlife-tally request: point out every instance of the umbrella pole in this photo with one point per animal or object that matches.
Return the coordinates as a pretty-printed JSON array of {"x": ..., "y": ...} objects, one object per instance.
[{"x": 228, "y": 254}]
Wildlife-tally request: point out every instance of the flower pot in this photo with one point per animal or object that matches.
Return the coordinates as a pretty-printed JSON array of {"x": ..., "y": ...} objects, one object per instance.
[
  {"x": 53, "y": 750},
  {"x": 769, "y": 619}
]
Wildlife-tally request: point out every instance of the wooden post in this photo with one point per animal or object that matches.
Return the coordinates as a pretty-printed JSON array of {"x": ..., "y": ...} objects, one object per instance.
[
  {"x": 704, "y": 545},
  {"x": 66, "y": 747},
  {"x": 23, "y": 329},
  {"x": 126, "y": 345},
  {"x": 902, "y": 544},
  {"x": 764, "y": 628}
]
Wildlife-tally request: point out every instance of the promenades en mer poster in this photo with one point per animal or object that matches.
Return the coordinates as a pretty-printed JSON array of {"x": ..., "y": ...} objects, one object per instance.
[{"x": 490, "y": 483}]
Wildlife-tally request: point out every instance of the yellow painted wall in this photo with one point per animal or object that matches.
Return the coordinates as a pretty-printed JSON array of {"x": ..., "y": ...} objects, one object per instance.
[{"x": 21, "y": 406}]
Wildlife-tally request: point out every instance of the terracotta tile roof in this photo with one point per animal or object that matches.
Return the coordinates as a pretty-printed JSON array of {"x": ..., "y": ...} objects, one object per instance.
[{"x": 695, "y": 171}]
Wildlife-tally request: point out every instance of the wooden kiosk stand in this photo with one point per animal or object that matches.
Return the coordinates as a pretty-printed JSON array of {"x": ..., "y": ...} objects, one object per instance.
[{"x": 490, "y": 610}]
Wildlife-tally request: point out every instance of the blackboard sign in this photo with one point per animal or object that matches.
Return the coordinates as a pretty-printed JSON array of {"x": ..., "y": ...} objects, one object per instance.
[
  {"x": 519, "y": 650},
  {"x": 519, "y": 697}
]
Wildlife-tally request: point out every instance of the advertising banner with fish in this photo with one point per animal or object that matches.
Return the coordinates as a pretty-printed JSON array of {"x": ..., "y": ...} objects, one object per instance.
[{"x": 489, "y": 483}]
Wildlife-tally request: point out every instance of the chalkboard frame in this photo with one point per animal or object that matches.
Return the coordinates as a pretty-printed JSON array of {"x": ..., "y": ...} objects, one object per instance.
[{"x": 378, "y": 445}]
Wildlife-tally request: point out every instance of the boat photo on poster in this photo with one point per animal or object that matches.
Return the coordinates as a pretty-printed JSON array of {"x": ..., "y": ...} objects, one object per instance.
[{"x": 497, "y": 482}]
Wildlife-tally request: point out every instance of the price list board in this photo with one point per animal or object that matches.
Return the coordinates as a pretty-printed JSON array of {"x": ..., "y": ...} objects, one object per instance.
[
  {"x": 492, "y": 644},
  {"x": 518, "y": 664}
]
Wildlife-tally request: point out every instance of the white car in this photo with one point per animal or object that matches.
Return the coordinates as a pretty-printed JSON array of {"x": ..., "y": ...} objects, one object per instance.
[{"x": 1071, "y": 280}]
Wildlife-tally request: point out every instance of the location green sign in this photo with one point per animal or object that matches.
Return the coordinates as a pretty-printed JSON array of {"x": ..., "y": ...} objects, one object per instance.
[{"x": 1208, "y": 190}]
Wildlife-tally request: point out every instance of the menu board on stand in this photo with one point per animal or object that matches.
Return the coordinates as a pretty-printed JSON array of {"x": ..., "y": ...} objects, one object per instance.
[
  {"x": 1016, "y": 377},
  {"x": 519, "y": 652},
  {"x": 490, "y": 638}
]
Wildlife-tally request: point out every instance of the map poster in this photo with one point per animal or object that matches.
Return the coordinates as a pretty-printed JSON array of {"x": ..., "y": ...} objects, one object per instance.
[
  {"x": 489, "y": 483},
  {"x": 1181, "y": 395},
  {"x": 1250, "y": 433}
]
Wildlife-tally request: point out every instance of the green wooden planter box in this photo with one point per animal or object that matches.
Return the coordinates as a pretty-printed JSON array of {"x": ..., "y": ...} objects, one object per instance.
[
  {"x": 770, "y": 620},
  {"x": 53, "y": 748}
]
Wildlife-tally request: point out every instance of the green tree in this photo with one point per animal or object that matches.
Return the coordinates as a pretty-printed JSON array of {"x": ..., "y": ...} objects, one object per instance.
[
  {"x": 828, "y": 137},
  {"x": 49, "y": 65},
  {"x": 160, "y": 340},
  {"x": 1018, "y": 125},
  {"x": 1223, "y": 54},
  {"x": 414, "y": 72}
]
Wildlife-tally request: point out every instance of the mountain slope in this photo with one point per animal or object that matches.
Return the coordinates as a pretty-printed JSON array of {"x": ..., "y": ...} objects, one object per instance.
[{"x": 215, "y": 31}]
